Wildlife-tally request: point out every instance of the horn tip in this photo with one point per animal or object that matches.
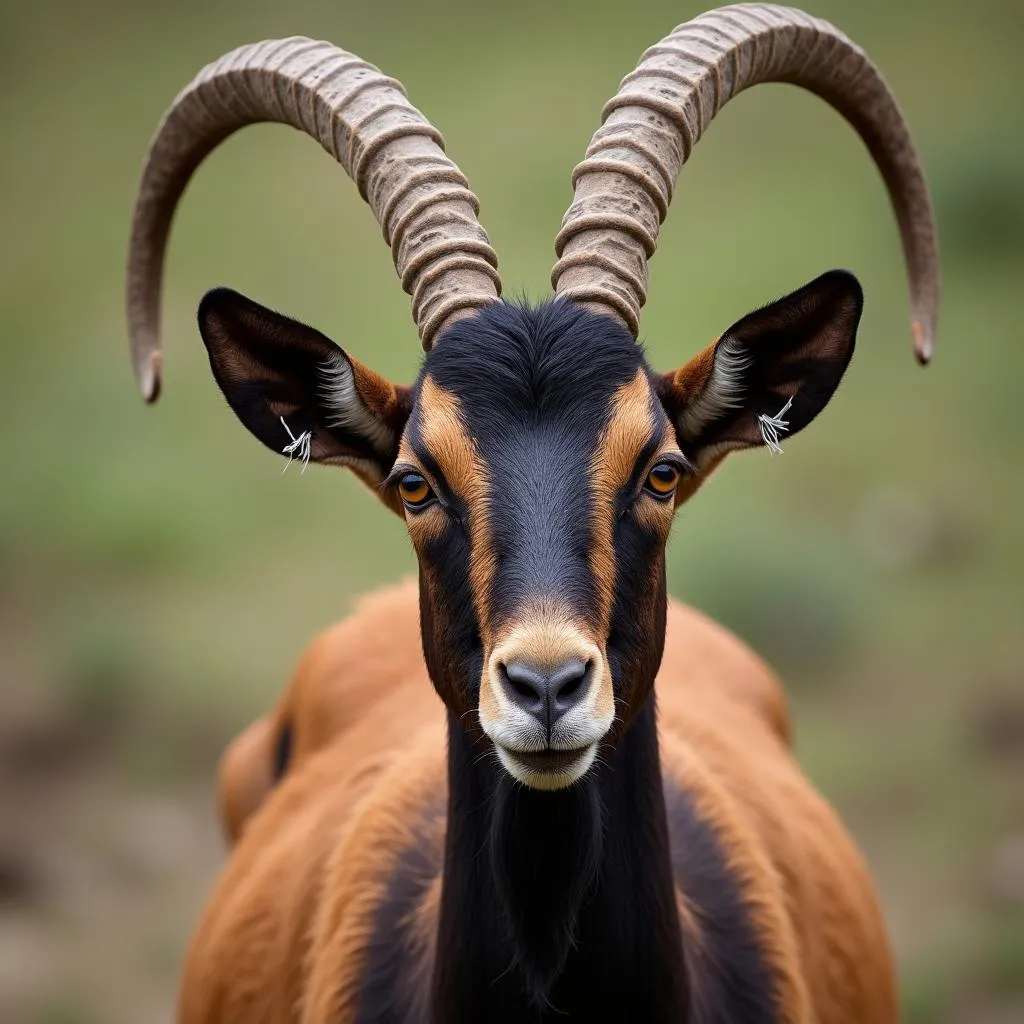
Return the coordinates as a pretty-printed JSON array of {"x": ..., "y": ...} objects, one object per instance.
[
  {"x": 924, "y": 343},
  {"x": 150, "y": 377}
]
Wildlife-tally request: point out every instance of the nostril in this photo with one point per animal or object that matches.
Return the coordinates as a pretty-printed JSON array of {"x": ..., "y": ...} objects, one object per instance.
[
  {"x": 565, "y": 684},
  {"x": 523, "y": 685},
  {"x": 547, "y": 692},
  {"x": 573, "y": 681},
  {"x": 519, "y": 685}
]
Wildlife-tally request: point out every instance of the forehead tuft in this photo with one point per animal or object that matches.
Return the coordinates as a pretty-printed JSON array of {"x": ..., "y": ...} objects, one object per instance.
[{"x": 551, "y": 359}]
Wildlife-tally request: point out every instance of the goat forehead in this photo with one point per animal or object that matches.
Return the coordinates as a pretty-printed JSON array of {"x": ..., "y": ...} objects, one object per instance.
[
  {"x": 528, "y": 364},
  {"x": 536, "y": 449},
  {"x": 535, "y": 386}
]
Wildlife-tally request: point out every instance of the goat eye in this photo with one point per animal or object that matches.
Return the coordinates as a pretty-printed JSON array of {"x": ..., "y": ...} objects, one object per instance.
[
  {"x": 414, "y": 491},
  {"x": 662, "y": 480}
]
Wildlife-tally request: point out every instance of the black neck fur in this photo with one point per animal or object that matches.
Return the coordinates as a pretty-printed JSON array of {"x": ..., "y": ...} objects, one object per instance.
[{"x": 559, "y": 903}]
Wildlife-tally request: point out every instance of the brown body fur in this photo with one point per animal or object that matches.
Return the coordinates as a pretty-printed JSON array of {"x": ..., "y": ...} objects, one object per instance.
[
  {"x": 344, "y": 671},
  {"x": 283, "y": 937}
]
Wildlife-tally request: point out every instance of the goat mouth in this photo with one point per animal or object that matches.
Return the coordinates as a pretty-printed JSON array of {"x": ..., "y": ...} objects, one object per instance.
[{"x": 548, "y": 760}]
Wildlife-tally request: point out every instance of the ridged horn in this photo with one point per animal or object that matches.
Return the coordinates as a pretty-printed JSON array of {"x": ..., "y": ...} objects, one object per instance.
[
  {"x": 623, "y": 187},
  {"x": 364, "y": 120}
]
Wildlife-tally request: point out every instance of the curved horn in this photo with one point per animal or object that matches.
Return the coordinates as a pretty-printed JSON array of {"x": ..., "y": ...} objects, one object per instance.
[
  {"x": 364, "y": 120},
  {"x": 624, "y": 186}
]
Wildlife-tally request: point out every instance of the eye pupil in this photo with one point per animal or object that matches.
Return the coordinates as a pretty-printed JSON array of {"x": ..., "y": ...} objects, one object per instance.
[
  {"x": 662, "y": 480},
  {"x": 414, "y": 490}
]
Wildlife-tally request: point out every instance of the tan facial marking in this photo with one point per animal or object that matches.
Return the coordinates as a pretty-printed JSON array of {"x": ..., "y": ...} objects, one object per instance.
[
  {"x": 443, "y": 432},
  {"x": 628, "y": 429},
  {"x": 544, "y": 636},
  {"x": 543, "y": 633},
  {"x": 426, "y": 525}
]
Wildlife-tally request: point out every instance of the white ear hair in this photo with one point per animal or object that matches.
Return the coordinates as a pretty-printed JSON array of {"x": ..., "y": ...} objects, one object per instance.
[
  {"x": 298, "y": 448},
  {"x": 773, "y": 426},
  {"x": 346, "y": 408},
  {"x": 723, "y": 391}
]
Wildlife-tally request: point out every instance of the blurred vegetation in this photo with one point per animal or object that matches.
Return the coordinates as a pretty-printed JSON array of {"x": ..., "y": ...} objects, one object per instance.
[{"x": 158, "y": 575}]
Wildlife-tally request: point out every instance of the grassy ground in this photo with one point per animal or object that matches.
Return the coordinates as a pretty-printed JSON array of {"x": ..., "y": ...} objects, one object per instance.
[{"x": 158, "y": 576}]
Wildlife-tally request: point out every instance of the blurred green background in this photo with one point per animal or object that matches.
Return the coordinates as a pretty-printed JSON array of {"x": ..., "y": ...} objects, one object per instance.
[{"x": 159, "y": 576}]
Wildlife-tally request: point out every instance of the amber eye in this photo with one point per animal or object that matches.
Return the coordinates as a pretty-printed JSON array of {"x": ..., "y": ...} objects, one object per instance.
[
  {"x": 662, "y": 480},
  {"x": 415, "y": 491}
]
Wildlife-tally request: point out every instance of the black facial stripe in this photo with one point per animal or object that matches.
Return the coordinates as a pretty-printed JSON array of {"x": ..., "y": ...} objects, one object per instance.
[
  {"x": 637, "y": 627},
  {"x": 450, "y": 630},
  {"x": 535, "y": 389},
  {"x": 539, "y": 522}
]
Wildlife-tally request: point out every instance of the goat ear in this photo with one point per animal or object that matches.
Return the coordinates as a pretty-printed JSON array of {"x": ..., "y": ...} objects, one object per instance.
[
  {"x": 284, "y": 379},
  {"x": 767, "y": 376}
]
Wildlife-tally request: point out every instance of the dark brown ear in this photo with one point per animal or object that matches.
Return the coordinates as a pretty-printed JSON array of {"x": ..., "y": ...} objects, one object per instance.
[
  {"x": 297, "y": 391},
  {"x": 767, "y": 376}
]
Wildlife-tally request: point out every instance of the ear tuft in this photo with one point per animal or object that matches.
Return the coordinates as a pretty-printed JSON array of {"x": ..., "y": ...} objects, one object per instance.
[
  {"x": 723, "y": 391},
  {"x": 346, "y": 409}
]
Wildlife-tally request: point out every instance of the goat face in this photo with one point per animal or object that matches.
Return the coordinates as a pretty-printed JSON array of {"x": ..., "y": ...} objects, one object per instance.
[
  {"x": 538, "y": 462},
  {"x": 527, "y": 471}
]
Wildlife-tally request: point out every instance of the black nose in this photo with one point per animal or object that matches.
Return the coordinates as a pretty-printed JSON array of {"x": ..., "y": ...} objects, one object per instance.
[{"x": 545, "y": 694}]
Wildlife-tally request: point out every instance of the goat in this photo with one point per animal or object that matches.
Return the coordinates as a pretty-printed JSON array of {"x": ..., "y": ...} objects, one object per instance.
[{"x": 547, "y": 842}]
